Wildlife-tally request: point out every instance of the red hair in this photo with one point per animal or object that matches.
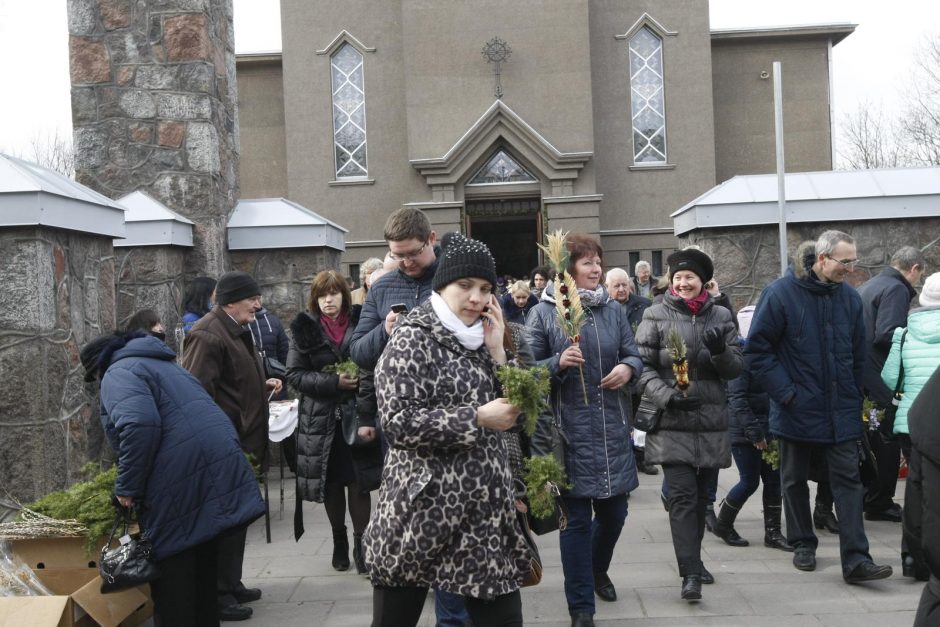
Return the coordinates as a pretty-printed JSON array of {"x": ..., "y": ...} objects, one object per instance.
[{"x": 581, "y": 245}]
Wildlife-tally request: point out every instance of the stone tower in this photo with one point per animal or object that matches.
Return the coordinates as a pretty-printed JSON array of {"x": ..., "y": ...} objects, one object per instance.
[{"x": 154, "y": 107}]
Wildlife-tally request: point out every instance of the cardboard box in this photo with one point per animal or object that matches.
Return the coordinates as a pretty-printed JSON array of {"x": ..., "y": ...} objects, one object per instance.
[{"x": 65, "y": 568}]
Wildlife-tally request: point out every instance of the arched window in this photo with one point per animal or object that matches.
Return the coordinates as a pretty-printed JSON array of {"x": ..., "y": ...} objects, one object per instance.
[
  {"x": 349, "y": 113},
  {"x": 647, "y": 97}
]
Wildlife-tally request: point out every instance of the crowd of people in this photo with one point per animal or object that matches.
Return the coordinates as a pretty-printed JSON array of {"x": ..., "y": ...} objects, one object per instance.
[{"x": 398, "y": 396}]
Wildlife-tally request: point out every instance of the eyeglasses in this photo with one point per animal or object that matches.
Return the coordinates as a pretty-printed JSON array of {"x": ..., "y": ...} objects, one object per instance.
[
  {"x": 407, "y": 256},
  {"x": 845, "y": 263}
]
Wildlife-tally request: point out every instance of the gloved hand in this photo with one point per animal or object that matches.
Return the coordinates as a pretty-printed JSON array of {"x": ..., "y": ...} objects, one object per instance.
[
  {"x": 714, "y": 340},
  {"x": 684, "y": 403}
]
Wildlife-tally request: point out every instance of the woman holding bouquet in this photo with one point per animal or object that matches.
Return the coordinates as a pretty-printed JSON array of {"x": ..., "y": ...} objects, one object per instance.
[
  {"x": 587, "y": 375},
  {"x": 689, "y": 349}
]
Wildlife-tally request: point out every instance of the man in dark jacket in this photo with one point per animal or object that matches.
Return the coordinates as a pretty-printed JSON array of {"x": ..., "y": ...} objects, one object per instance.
[
  {"x": 886, "y": 300},
  {"x": 806, "y": 346},
  {"x": 620, "y": 288},
  {"x": 220, "y": 352}
]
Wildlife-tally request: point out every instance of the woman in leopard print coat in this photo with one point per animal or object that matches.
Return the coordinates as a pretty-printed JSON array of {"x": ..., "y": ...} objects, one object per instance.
[{"x": 445, "y": 517}]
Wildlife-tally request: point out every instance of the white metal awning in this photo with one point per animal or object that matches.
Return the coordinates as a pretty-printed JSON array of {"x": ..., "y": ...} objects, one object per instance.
[
  {"x": 263, "y": 223},
  {"x": 151, "y": 223},
  {"x": 31, "y": 195},
  {"x": 815, "y": 197}
]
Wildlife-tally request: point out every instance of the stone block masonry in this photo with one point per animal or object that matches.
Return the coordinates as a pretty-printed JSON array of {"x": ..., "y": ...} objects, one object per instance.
[{"x": 154, "y": 108}]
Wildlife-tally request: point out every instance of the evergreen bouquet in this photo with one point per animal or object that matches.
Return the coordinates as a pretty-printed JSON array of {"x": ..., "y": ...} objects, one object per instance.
[
  {"x": 347, "y": 367},
  {"x": 680, "y": 363},
  {"x": 527, "y": 389},
  {"x": 544, "y": 480},
  {"x": 569, "y": 312}
]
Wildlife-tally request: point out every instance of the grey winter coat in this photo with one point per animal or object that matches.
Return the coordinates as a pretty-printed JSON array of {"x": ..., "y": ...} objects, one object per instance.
[
  {"x": 600, "y": 461},
  {"x": 697, "y": 438},
  {"x": 445, "y": 516}
]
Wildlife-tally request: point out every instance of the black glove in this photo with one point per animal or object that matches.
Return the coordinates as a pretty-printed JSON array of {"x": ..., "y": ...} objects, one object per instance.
[
  {"x": 684, "y": 403},
  {"x": 714, "y": 340}
]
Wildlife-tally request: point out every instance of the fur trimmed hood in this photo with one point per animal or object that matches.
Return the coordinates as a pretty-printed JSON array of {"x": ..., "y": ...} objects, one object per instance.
[{"x": 307, "y": 332}]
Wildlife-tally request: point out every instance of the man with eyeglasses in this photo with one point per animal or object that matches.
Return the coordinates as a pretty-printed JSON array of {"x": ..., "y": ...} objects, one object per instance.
[
  {"x": 886, "y": 299},
  {"x": 806, "y": 346},
  {"x": 220, "y": 352}
]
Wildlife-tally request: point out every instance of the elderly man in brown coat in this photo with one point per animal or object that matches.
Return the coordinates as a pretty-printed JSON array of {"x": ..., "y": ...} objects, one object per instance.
[{"x": 220, "y": 352}]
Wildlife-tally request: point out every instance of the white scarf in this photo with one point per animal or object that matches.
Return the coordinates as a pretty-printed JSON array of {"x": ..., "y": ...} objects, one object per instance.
[{"x": 470, "y": 337}]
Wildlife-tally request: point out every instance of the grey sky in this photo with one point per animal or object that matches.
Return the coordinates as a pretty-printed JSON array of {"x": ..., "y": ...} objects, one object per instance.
[{"x": 872, "y": 65}]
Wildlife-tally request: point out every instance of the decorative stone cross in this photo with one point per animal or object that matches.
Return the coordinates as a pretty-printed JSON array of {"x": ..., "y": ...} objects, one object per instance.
[{"x": 497, "y": 51}]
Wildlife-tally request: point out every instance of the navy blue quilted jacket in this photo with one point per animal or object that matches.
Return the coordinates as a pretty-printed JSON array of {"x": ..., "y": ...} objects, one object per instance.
[
  {"x": 178, "y": 453},
  {"x": 369, "y": 338},
  {"x": 600, "y": 459},
  {"x": 806, "y": 347}
]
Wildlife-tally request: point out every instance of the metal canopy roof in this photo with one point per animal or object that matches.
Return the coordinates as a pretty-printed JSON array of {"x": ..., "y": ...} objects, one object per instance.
[
  {"x": 263, "y": 223},
  {"x": 151, "y": 223},
  {"x": 31, "y": 195},
  {"x": 815, "y": 197}
]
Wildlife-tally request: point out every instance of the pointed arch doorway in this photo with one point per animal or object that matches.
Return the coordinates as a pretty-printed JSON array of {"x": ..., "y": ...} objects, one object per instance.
[{"x": 502, "y": 204}]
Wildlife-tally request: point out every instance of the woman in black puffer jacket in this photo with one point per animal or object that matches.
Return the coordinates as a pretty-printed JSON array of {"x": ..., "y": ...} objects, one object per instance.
[
  {"x": 691, "y": 441},
  {"x": 326, "y": 466}
]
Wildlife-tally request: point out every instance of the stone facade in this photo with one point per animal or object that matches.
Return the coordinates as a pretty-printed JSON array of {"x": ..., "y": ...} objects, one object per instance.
[
  {"x": 151, "y": 277},
  {"x": 154, "y": 108},
  {"x": 748, "y": 258},
  {"x": 58, "y": 293}
]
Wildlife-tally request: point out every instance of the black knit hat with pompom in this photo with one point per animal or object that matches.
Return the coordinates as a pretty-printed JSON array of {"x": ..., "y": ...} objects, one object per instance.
[{"x": 462, "y": 257}]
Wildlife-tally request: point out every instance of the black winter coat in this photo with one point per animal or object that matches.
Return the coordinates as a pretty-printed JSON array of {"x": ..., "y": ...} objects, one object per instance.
[
  {"x": 749, "y": 406},
  {"x": 321, "y": 403},
  {"x": 698, "y": 438},
  {"x": 924, "y": 423},
  {"x": 271, "y": 339}
]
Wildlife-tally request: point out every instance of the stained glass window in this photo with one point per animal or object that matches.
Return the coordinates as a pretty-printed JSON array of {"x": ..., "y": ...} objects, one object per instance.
[
  {"x": 501, "y": 168},
  {"x": 646, "y": 95},
  {"x": 349, "y": 113}
]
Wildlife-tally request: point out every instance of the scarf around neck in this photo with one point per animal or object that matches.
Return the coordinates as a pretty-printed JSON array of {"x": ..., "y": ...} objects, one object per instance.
[
  {"x": 335, "y": 329},
  {"x": 470, "y": 337},
  {"x": 694, "y": 305},
  {"x": 592, "y": 298}
]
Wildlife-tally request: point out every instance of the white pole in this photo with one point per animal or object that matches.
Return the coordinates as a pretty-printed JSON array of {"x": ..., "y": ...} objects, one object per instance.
[{"x": 781, "y": 169}]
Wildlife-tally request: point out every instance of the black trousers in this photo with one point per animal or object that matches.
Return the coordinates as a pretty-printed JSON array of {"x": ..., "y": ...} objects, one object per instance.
[
  {"x": 231, "y": 556},
  {"x": 887, "y": 450},
  {"x": 688, "y": 497},
  {"x": 913, "y": 514},
  {"x": 401, "y": 607},
  {"x": 185, "y": 593},
  {"x": 928, "y": 611}
]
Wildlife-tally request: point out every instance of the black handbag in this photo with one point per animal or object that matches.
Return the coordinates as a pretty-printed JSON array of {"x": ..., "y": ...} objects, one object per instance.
[
  {"x": 534, "y": 576},
  {"x": 347, "y": 421},
  {"x": 647, "y": 415},
  {"x": 130, "y": 563},
  {"x": 273, "y": 368},
  {"x": 558, "y": 520}
]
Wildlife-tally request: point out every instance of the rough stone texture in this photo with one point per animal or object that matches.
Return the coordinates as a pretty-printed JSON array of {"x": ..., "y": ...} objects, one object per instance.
[
  {"x": 58, "y": 294},
  {"x": 749, "y": 257},
  {"x": 187, "y": 38},
  {"x": 178, "y": 57},
  {"x": 170, "y": 134},
  {"x": 151, "y": 277},
  {"x": 115, "y": 13},
  {"x": 285, "y": 275},
  {"x": 88, "y": 61}
]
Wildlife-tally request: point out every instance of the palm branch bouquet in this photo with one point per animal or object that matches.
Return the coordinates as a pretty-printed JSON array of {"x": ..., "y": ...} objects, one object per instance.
[
  {"x": 680, "y": 364},
  {"x": 569, "y": 312}
]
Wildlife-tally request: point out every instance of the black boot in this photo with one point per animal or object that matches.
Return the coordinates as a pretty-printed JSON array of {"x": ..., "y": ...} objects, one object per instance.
[
  {"x": 359, "y": 555},
  {"x": 773, "y": 537},
  {"x": 824, "y": 518},
  {"x": 710, "y": 520},
  {"x": 340, "y": 549},
  {"x": 724, "y": 526},
  {"x": 691, "y": 587}
]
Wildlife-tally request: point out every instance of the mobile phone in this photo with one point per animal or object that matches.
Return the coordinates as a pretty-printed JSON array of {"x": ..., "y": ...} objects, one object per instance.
[{"x": 399, "y": 308}]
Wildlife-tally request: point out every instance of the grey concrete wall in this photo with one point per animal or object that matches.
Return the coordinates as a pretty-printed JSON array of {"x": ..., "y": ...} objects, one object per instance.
[
  {"x": 58, "y": 293},
  {"x": 747, "y": 259},
  {"x": 744, "y": 109},
  {"x": 154, "y": 108},
  {"x": 262, "y": 167}
]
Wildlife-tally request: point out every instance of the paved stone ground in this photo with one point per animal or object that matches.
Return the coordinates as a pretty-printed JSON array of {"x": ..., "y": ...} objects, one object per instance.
[{"x": 754, "y": 585}]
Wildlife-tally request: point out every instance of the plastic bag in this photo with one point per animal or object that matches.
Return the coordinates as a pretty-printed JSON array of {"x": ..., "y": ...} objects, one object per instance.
[{"x": 16, "y": 578}]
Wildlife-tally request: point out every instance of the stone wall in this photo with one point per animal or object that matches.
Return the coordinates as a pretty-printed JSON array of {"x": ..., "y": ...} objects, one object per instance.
[
  {"x": 747, "y": 258},
  {"x": 285, "y": 275},
  {"x": 154, "y": 107},
  {"x": 58, "y": 293},
  {"x": 151, "y": 277}
]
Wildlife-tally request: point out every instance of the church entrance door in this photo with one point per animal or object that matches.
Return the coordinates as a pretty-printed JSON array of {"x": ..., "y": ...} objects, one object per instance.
[{"x": 510, "y": 228}]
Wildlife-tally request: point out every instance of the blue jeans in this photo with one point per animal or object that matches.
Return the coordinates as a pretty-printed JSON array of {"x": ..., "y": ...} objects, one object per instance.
[
  {"x": 753, "y": 470},
  {"x": 587, "y": 546},
  {"x": 449, "y": 610},
  {"x": 847, "y": 492}
]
